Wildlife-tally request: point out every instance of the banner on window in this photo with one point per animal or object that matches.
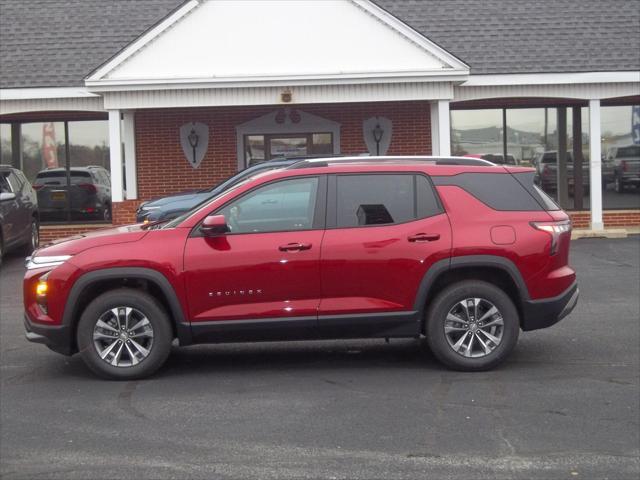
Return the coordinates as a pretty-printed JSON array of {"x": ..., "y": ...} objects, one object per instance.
[{"x": 49, "y": 148}]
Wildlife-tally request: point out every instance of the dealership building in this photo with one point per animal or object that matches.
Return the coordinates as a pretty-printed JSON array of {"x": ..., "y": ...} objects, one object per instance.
[{"x": 171, "y": 95}]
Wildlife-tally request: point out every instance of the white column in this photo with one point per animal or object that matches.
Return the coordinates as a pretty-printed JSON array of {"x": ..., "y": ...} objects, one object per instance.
[
  {"x": 595, "y": 166},
  {"x": 440, "y": 128},
  {"x": 115, "y": 156},
  {"x": 435, "y": 144},
  {"x": 129, "y": 139}
]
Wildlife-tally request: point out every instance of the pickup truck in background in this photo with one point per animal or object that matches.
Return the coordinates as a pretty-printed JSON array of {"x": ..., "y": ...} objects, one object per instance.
[{"x": 625, "y": 162}]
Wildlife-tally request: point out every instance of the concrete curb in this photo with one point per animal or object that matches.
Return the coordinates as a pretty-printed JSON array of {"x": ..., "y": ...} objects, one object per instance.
[{"x": 607, "y": 233}]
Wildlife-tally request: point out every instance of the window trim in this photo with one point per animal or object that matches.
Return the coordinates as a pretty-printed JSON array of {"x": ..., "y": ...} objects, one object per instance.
[
  {"x": 332, "y": 199},
  {"x": 319, "y": 211}
]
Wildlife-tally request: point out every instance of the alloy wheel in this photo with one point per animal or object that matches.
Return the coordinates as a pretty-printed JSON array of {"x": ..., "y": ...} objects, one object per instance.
[
  {"x": 123, "y": 336},
  {"x": 474, "y": 327}
]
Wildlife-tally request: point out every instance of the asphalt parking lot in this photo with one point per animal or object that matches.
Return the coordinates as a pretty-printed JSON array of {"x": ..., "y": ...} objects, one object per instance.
[{"x": 566, "y": 405}]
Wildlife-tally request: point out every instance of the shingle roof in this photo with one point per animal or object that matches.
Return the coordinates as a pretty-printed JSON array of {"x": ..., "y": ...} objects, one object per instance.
[
  {"x": 47, "y": 43},
  {"x": 525, "y": 36}
]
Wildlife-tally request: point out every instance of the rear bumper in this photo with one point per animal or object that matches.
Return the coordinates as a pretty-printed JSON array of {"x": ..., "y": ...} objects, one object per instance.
[
  {"x": 58, "y": 338},
  {"x": 549, "y": 311}
]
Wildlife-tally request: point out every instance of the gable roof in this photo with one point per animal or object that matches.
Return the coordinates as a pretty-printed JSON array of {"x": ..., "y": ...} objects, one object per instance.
[
  {"x": 57, "y": 43},
  {"x": 218, "y": 41}
]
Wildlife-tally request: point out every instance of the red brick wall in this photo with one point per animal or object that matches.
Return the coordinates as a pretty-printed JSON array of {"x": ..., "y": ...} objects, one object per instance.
[
  {"x": 123, "y": 213},
  {"x": 163, "y": 169},
  {"x": 611, "y": 218}
]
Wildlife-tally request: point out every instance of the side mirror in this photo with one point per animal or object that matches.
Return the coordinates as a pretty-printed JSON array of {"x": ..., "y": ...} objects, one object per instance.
[
  {"x": 7, "y": 196},
  {"x": 214, "y": 225}
]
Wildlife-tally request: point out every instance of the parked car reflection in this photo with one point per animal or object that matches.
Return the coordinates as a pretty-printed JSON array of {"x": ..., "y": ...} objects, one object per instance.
[{"x": 88, "y": 196}]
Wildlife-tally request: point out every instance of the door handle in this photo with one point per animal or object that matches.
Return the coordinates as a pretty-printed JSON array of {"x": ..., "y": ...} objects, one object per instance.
[
  {"x": 424, "y": 237},
  {"x": 294, "y": 247}
]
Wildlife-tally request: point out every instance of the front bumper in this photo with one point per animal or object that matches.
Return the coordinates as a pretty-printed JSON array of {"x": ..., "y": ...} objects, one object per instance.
[
  {"x": 549, "y": 311},
  {"x": 58, "y": 338}
]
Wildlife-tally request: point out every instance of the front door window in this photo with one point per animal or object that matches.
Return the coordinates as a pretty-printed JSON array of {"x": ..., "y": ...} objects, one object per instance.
[{"x": 259, "y": 148}]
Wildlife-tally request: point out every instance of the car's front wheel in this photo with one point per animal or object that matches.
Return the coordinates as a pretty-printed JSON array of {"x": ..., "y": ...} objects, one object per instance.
[
  {"x": 472, "y": 326},
  {"x": 34, "y": 238},
  {"x": 124, "y": 334}
]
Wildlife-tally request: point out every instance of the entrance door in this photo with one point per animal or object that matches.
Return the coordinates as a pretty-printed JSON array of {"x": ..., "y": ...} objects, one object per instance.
[
  {"x": 258, "y": 148},
  {"x": 293, "y": 146}
]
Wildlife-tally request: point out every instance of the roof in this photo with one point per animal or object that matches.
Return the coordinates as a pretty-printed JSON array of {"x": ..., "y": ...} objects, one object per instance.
[
  {"x": 57, "y": 43},
  {"x": 523, "y": 36}
]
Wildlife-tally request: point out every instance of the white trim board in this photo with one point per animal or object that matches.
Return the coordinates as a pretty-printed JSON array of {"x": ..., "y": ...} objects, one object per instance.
[
  {"x": 551, "y": 78},
  {"x": 40, "y": 93},
  {"x": 143, "y": 40}
]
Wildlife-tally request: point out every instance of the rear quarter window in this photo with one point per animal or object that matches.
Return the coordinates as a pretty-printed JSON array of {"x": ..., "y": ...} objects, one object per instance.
[{"x": 499, "y": 191}]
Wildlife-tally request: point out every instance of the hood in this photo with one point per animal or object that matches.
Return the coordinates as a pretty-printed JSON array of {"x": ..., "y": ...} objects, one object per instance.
[
  {"x": 78, "y": 243},
  {"x": 188, "y": 198}
]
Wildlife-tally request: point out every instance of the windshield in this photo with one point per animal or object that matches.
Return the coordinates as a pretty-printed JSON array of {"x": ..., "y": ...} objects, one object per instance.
[
  {"x": 59, "y": 177},
  {"x": 628, "y": 152}
]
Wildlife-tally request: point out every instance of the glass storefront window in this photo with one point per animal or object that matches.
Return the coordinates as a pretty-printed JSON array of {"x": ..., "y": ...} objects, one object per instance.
[
  {"x": 620, "y": 157},
  {"x": 5, "y": 144},
  {"x": 476, "y": 132},
  {"x": 527, "y": 137},
  {"x": 74, "y": 189}
]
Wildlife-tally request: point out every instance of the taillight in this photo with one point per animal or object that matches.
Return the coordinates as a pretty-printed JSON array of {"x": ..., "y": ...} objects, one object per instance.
[
  {"x": 624, "y": 165},
  {"x": 555, "y": 229},
  {"x": 37, "y": 187},
  {"x": 89, "y": 187},
  {"x": 546, "y": 170}
]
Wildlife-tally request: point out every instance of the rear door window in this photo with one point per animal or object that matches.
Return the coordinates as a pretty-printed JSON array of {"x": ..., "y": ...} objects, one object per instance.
[{"x": 383, "y": 199}]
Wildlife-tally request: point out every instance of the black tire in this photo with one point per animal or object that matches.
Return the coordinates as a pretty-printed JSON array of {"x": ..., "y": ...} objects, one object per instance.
[
  {"x": 106, "y": 213},
  {"x": 144, "y": 303},
  {"x": 34, "y": 238},
  {"x": 619, "y": 184},
  {"x": 446, "y": 300}
]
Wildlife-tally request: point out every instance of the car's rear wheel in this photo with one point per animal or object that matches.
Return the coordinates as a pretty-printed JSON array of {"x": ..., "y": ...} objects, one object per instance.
[
  {"x": 472, "y": 326},
  {"x": 124, "y": 334}
]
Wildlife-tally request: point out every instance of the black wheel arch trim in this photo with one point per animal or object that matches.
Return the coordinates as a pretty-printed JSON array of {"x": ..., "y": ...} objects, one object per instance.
[
  {"x": 452, "y": 263},
  {"x": 183, "y": 328}
]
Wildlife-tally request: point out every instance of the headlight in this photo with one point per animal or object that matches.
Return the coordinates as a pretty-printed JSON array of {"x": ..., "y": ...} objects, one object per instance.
[{"x": 44, "y": 261}]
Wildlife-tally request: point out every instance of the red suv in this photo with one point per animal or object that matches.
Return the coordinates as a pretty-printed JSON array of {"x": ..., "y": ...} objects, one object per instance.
[{"x": 325, "y": 249}]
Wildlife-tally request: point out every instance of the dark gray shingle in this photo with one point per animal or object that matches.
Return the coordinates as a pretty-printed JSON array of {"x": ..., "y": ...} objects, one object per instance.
[
  {"x": 45, "y": 43},
  {"x": 529, "y": 36}
]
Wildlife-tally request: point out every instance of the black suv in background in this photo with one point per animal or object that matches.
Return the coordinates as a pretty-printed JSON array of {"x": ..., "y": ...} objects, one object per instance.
[
  {"x": 89, "y": 194},
  {"x": 19, "y": 223}
]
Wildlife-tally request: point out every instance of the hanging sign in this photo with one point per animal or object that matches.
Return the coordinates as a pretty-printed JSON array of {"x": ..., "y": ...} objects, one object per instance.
[
  {"x": 377, "y": 134},
  {"x": 194, "y": 139}
]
